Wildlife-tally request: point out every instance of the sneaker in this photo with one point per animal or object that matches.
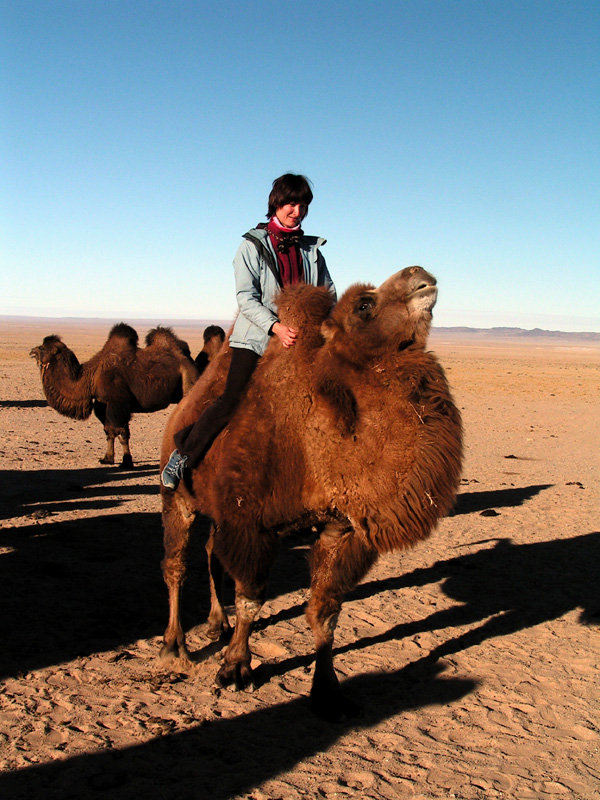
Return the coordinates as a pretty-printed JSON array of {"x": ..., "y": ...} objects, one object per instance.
[{"x": 173, "y": 471}]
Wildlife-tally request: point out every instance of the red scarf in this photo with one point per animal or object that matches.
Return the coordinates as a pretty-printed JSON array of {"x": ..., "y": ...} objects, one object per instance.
[{"x": 285, "y": 244}]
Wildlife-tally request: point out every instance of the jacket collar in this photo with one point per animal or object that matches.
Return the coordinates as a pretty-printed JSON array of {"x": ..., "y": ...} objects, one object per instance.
[{"x": 305, "y": 241}]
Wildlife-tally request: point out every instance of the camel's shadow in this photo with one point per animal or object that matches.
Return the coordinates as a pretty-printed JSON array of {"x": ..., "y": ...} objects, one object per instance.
[
  {"x": 502, "y": 587},
  {"x": 78, "y": 587},
  {"x": 81, "y": 586},
  {"x": 72, "y": 588},
  {"x": 41, "y": 492},
  {"x": 227, "y": 758},
  {"x": 23, "y": 403},
  {"x": 75, "y": 587},
  {"x": 505, "y": 587},
  {"x": 511, "y": 587}
]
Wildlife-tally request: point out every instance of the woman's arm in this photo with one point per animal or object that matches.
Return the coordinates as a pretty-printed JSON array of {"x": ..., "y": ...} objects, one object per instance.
[{"x": 248, "y": 288}]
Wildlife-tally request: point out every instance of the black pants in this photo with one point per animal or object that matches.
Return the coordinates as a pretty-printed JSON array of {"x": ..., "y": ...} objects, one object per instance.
[{"x": 195, "y": 440}]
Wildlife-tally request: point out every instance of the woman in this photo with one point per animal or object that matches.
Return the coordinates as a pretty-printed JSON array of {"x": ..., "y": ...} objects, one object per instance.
[{"x": 272, "y": 255}]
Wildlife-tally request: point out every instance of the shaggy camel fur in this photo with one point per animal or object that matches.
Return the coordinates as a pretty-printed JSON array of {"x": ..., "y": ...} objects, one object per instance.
[
  {"x": 353, "y": 430},
  {"x": 121, "y": 380}
]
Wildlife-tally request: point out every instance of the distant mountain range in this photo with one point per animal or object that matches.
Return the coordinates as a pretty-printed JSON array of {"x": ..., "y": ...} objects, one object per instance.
[{"x": 518, "y": 333}]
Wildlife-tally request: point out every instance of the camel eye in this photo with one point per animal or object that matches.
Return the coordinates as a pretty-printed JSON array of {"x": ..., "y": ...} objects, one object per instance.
[{"x": 364, "y": 306}]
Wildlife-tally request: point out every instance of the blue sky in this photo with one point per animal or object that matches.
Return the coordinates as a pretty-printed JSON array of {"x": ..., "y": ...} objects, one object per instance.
[{"x": 140, "y": 139}]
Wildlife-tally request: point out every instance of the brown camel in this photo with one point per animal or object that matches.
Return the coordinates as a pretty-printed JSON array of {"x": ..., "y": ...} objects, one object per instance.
[
  {"x": 121, "y": 380},
  {"x": 353, "y": 430},
  {"x": 214, "y": 336}
]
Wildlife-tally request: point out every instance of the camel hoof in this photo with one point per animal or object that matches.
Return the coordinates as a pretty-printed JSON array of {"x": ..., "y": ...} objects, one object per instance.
[
  {"x": 238, "y": 677},
  {"x": 106, "y": 460},
  {"x": 127, "y": 463},
  {"x": 174, "y": 653},
  {"x": 216, "y": 630}
]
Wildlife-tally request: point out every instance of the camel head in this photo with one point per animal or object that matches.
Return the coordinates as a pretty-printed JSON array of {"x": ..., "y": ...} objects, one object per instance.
[
  {"x": 368, "y": 321},
  {"x": 214, "y": 336},
  {"x": 61, "y": 378},
  {"x": 50, "y": 351}
]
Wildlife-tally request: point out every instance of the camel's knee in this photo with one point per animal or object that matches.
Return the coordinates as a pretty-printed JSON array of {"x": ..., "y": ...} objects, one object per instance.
[
  {"x": 339, "y": 560},
  {"x": 246, "y": 608},
  {"x": 323, "y": 619}
]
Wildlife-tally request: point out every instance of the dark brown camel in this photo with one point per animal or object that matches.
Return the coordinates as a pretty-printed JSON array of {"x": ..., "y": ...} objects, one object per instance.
[
  {"x": 214, "y": 336},
  {"x": 121, "y": 380},
  {"x": 352, "y": 430}
]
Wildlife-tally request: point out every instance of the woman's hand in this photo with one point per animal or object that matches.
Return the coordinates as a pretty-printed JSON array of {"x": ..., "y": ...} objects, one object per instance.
[{"x": 286, "y": 335}]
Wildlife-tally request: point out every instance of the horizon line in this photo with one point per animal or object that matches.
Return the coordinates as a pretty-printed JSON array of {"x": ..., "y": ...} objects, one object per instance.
[{"x": 201, "y": 321}]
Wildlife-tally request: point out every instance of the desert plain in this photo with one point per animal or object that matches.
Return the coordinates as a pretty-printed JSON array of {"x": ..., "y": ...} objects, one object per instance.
[{"x": 475, "y": 656}]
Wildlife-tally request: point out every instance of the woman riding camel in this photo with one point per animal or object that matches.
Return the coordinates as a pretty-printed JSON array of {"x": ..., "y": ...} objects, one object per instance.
[{"x": 273, "y": 255}]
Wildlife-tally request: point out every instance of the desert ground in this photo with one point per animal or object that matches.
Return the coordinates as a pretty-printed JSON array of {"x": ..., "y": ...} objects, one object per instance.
[{"x": 475, "y": 656}]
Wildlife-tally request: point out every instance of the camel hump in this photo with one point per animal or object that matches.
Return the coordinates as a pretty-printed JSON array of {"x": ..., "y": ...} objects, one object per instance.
[
  {"x": 122, "y": 332},
  {"x": 304, "y": 305},
  {"x": 165, "y": 338}
]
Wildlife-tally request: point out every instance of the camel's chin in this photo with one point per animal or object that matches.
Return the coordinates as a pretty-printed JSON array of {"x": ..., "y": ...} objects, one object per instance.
[{"x": 423, "y": 299}]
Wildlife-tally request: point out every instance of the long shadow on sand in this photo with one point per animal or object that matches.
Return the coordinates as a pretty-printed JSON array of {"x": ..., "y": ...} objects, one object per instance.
[
  {"x": 521, "y": 585},
  {"x": 81, "y": 586},
  {"x": 506, "y": 588},
  {"x": 229, "y": 757},
  {"x": 75, "y": 587},
  {"x": 23, "y": 403},
  {"x": 500, "y": 589},
  {"x": 471, "y": 502},
  {"x": 42, "y": 491},
  {"x": 71, "y": 588},
  {"x": 466, "y": 503},
  {"x": 86, "y": 586}
]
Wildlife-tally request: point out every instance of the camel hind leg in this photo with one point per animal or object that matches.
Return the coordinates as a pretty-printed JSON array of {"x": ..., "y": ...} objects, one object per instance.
[
  {"x": 339, "y": 560},
  {"x": 117, "y": 426},
  {"x": 218, "y": 624},
  {"x": 115, "y": 420},
  {"x": 177, "y": 522},
  {"x": 127, "y": 460},
  {"x": 250, "y": 567}
]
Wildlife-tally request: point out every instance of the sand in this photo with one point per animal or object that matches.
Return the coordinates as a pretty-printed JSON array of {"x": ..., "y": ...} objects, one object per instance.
[{"x": 475, "y": 656}]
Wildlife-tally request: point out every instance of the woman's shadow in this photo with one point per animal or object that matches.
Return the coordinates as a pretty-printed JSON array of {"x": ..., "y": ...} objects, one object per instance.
[{"x": 507, "y": 587}]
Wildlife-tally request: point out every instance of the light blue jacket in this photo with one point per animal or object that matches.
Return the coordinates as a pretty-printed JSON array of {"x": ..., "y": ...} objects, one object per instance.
[{"x": 257, "y": 284}]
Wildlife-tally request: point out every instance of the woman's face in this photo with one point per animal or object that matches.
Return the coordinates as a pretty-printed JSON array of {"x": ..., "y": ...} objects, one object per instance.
[{"x": 291, "y": 214}]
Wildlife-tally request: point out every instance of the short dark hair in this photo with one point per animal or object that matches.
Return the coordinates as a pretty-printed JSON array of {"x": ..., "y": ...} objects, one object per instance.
[{"x": 289, "y": 188}]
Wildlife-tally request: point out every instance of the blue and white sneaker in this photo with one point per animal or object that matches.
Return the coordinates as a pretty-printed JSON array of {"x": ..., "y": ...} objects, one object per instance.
[{"x": 173, "y": 471}]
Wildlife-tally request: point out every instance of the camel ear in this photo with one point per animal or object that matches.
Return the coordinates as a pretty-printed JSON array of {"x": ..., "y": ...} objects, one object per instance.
[{"x": 342, "y": 402}]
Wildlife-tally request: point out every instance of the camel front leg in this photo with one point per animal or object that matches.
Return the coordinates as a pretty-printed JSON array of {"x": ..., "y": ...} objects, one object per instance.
[
  {"x": 218, "y": 624},
  {"x": 177, "y": 521},
  {"x": 100, "y": 412},
  {"x": 339, "y": 559},
  {"x": 116, "y": 425},
  {"x": 109, "y": 457}
]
